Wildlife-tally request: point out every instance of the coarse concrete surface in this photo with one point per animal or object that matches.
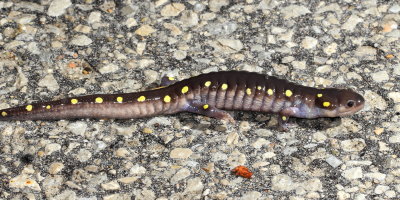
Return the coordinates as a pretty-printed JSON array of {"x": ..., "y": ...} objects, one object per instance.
[{"x": 55, "y": 49}]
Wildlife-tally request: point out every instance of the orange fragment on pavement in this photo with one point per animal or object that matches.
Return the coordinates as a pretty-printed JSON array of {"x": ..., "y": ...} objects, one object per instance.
[{"x": 242, "y": 171}]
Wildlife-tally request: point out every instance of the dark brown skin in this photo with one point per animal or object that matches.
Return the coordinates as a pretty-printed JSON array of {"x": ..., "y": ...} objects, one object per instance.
[{"x": 206, "y": 94}]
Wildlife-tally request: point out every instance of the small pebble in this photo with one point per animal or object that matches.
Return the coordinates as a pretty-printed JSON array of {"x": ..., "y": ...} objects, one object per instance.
[
  {"x": 232, "y": 44},
  {"x": 172, "y": 10},
  {"x": 49, "y": 82},
  {"x": 137, "y": 170},
  {"x": 394, "y": 138},
  {"x": 395, "y": 96},
  {"x": 51, "y": 148},
  {"x": 380, "y": 76},
  {"x": 83, "y": 155},
  {"x": 179, "y": 54},
  {"x": 112, "y": 185},
  {"x": 194, "y": 185},
  {"x": 147, "y": 130},
  {"x": 109, "y": 68},
  {"x": 282, "y": 182},
  {"x": 81, "y": 40},
  {"x": 94, "y": 17},
  {"x": 180, "y": 153},
  {"x": 216, "y": 5},
  {"x": 293, "y": 11},
  {"x": 180, "y": 175},
  {"x": 333, "y": 161},
  {"x": 77, "y": 128},
  {"x": 353, "y": 173},
  {"x": 189, "y": 18},
  {"x": 309, "y": 43},
  {"x": 352, "y": 22},
  {"x": 365, "y": 53},
  {"x": 145, "y": 30},
  {"x": 128, "y": 180},
  {"x": 380, "y": 189},
  {"x": 356, "y": 144},
  {"x": 379, "y": 131},
  {"x": 58, "y": 7},
  {"x": 56, "y": 167}
]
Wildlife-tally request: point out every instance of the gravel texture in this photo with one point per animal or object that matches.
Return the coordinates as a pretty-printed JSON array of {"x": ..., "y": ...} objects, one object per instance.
[{"x": 61, "y": 48}]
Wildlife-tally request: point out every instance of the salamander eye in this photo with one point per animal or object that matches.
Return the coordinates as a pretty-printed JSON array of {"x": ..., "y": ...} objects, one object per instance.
[{"x": 350, "y": 103}]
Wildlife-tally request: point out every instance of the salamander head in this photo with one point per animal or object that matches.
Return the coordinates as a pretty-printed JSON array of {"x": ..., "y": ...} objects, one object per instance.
[{"x": 338, "y": 102}]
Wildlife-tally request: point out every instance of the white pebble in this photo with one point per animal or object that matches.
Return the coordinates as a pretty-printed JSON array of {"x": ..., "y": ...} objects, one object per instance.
[
  {"x": 333, "y": 161},
  {"x": 380, "y": 76},
  {"x": 395, "y": 96},
  {"x": 351, "y": 23},
  {"x": 94, "y": 17},
  {"x": 77, "y": 128},
  {"x": 49, "y": 82},
  {"x": 112, "y": 185},
  {"x": 179, "y": 54},
  {"x": 50, "y": 148},
  {"x": 394, "y": 138},
  {"x": 353, "y": 173},
  {"x": 356, "y": 144},
  {"x": 293, "y": 11},
  {"x": 108, "y": 68},
  {"x": 83, "y": 155},
  {"x": 180, "y": 153},
  {"x": 81, "y": 40},
  {"x": 57, "y": 7},
  {"x": 282, "y": 182},
  {"x": 172, "y": 10},
  {"x": 380, "y": 189},
  {"x": 180, "y": 175},
  {"x": 309, "y": 43}
]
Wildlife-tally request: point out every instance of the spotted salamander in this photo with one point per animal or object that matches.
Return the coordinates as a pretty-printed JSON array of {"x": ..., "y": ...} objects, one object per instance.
[{"x": 207, "y": 94}]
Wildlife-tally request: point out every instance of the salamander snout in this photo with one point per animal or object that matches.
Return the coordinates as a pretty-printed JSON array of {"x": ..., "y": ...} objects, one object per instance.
[{"x": 349, "y": 102}]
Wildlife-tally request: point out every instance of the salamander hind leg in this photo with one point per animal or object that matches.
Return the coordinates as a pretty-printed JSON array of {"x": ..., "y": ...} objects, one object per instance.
[
  {"x": 282, "y": 123},
  {"x": 283, "y": 119},
  {"x": 198, "y": 107}
]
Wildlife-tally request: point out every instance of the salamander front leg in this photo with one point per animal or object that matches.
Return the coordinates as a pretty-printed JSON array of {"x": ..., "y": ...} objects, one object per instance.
[
  {"x": 167, "y": 80},
  {"x": 202, "y": 108}
]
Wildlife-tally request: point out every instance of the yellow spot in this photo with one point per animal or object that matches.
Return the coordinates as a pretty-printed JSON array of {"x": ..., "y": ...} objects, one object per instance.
[
  {"x": 48, "y": 107},
  {"x": 74, "y": 101},
  {"x": 171, "y": 78},
  {"x": 167, "y": 99},
  {"x": 270, "y": 92},
  {"x": 205, "y": 106},
  {"x": 288, "y": 93},
  {"x": 224, "y": 86},
  {"x": 98, "y": 100},
  {"x": 207, "y": 84},
  {"x": 284, "y": 118},
  {"x": 120, "y": 99},
  {"x": 259, "y": 87},
  {"x": 326, "y": 104},
  {"x": 141, "y": 98},
  {"x": 319, "y": 95},
  {"x": 3, "y": 114},
  {"x": 28, "y": 182},
  {"x": 29, "y": 107},
  {"x": 248, "y": 91},
  {"x": 185, "y": 89}
]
